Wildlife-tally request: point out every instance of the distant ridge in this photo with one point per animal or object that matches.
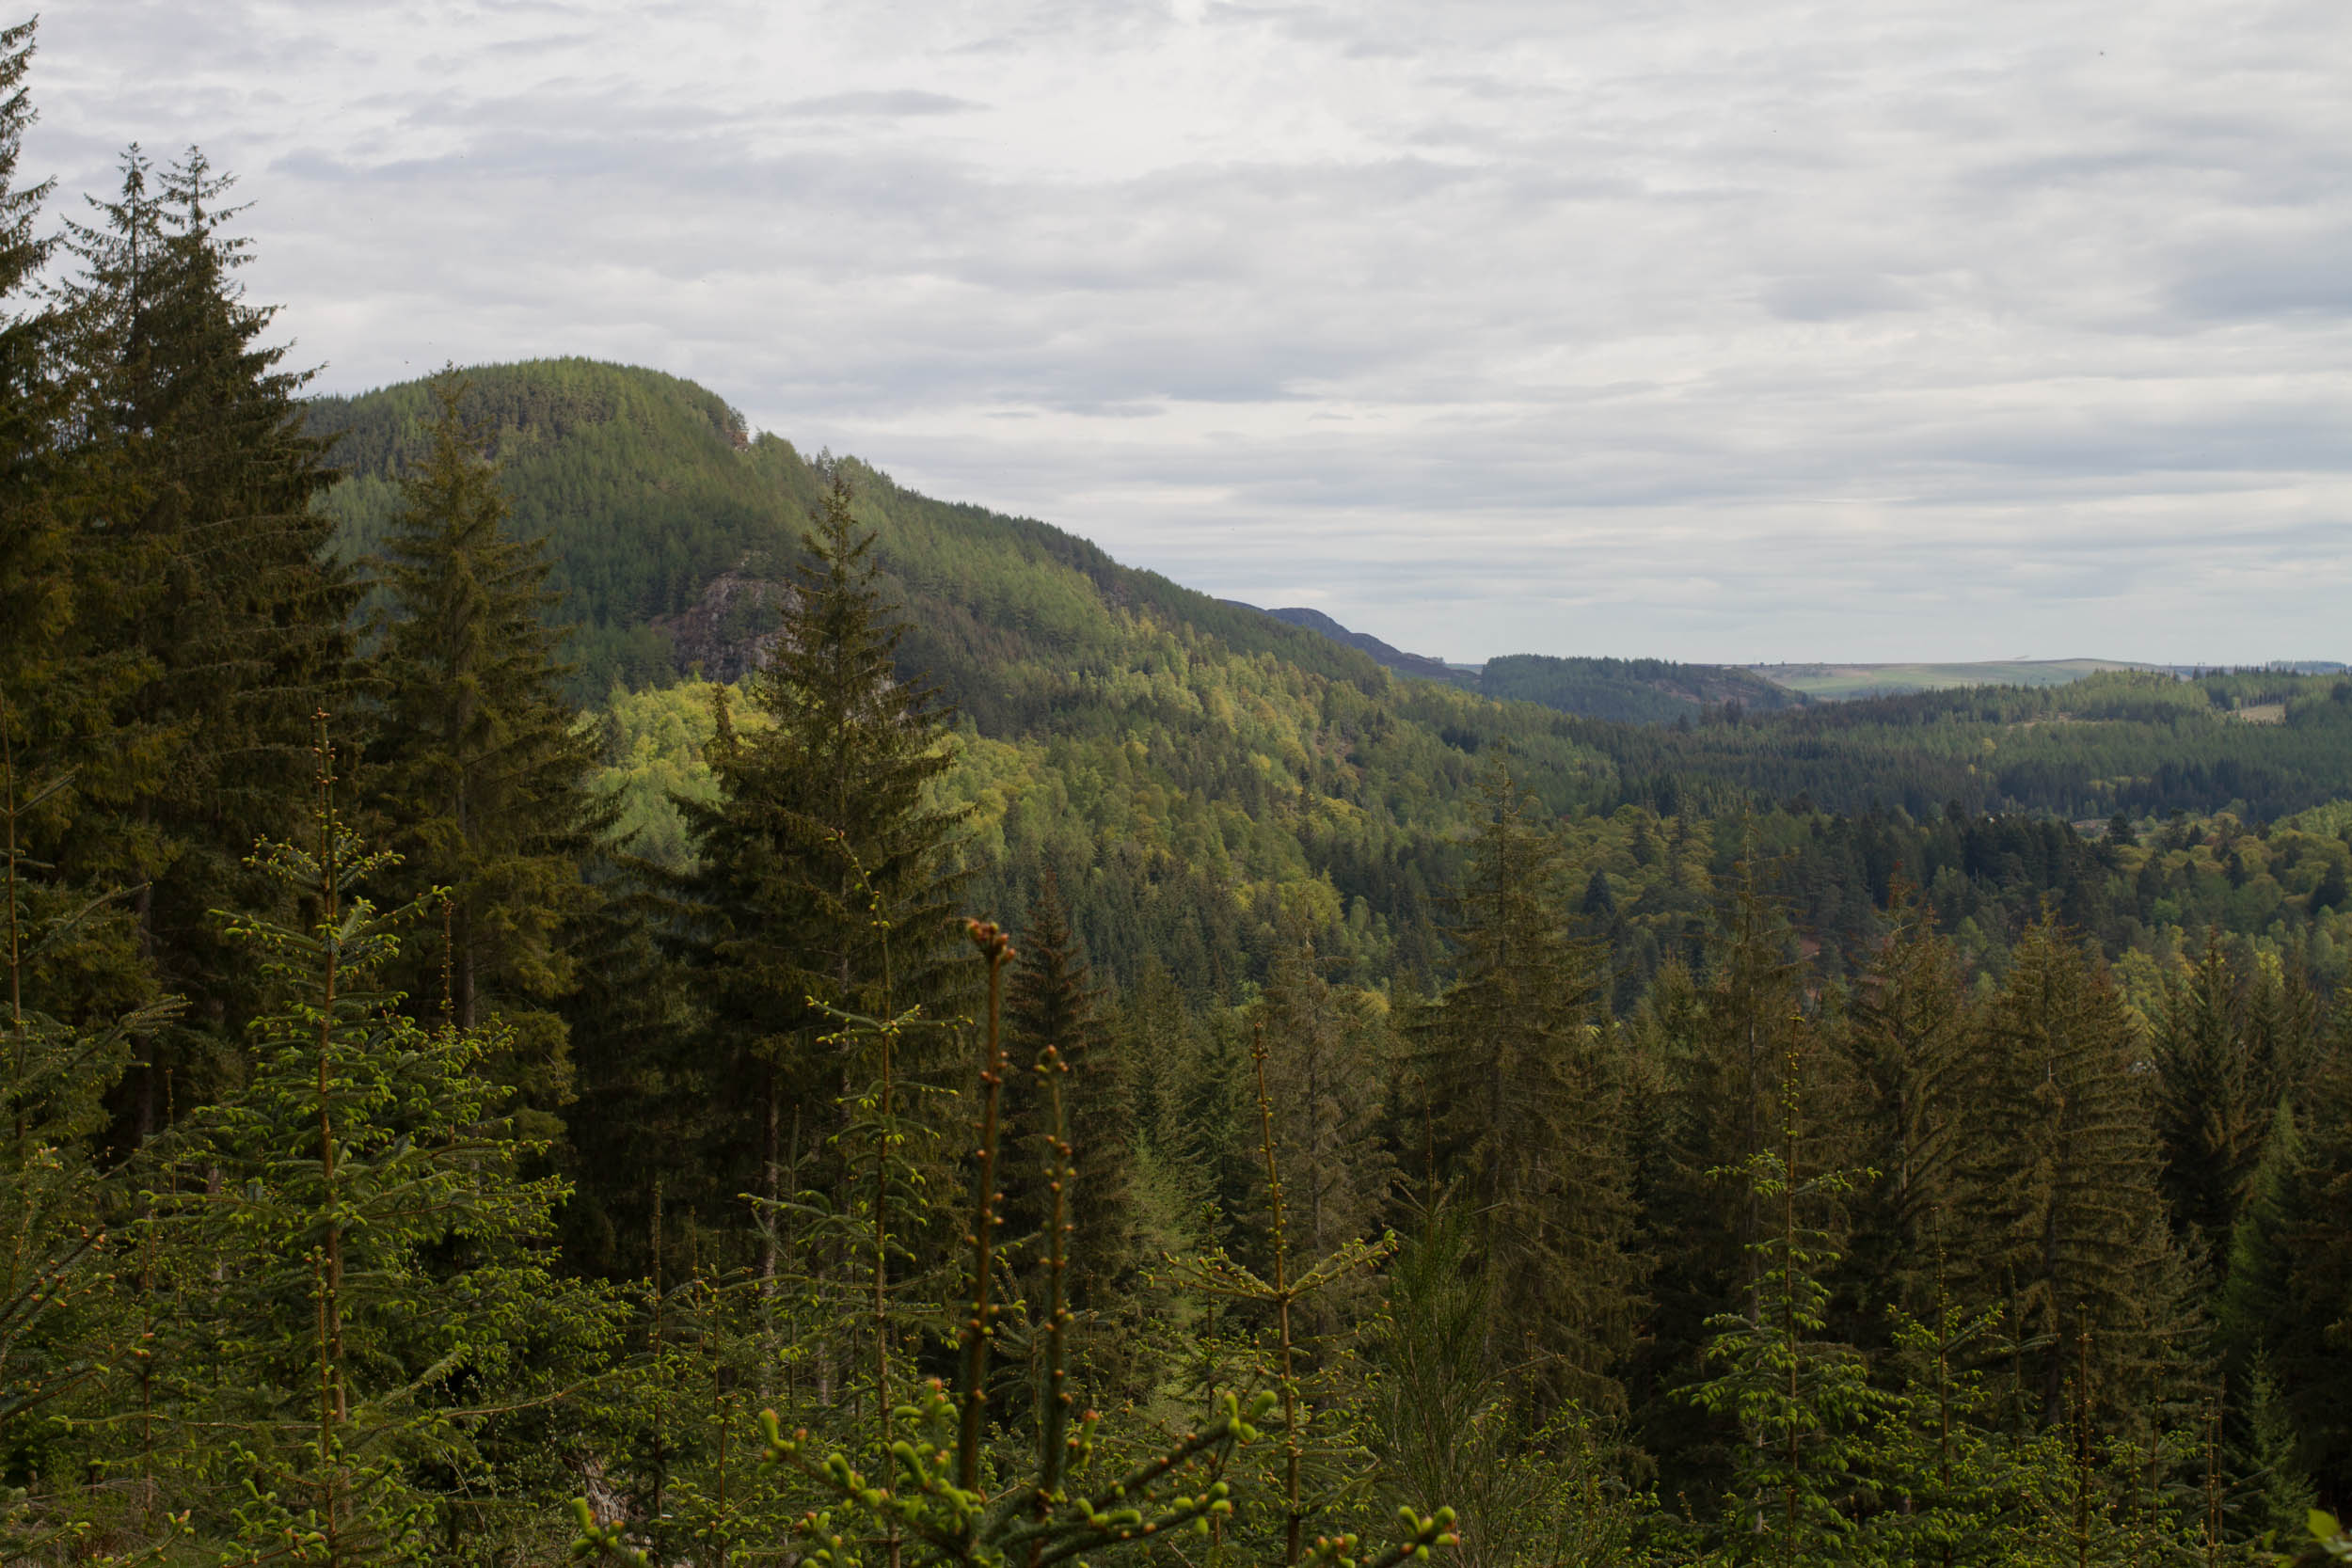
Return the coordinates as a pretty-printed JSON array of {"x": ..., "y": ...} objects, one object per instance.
[
  {"x": 1420, "y": 666},
  {"x": 1627, "y": 690},
  {"x": 1631, "y": 690},
  {"x": 1836, "y": 681}
]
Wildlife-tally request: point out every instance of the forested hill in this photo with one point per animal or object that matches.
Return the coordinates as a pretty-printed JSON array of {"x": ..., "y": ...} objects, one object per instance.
[
  {"x": 1622, "y": 690},
  {"x": 650, "y": 488},
  {"x": 1630, "y": 690},
  {"x": 2260, "y": 744}
]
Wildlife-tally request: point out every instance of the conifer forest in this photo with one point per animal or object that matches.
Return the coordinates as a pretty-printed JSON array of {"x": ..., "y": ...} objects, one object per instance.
[{"x": 586, "y": 986}]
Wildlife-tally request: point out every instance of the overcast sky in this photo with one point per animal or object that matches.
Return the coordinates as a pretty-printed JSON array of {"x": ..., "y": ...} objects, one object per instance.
[{"x": 1737, "y": 330}]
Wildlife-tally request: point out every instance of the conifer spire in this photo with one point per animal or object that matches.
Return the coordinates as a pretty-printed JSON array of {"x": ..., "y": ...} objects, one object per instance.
[
  {"x": 478, "y": 766},
  {"x": 825, "y": 837},
  {"x": 1524, "y": 1089},
  {"x": 1052, "y": 1006}
]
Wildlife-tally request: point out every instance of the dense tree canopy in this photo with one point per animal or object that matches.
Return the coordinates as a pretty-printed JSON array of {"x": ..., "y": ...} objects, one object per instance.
[{"x": 1904, "y": 1132}]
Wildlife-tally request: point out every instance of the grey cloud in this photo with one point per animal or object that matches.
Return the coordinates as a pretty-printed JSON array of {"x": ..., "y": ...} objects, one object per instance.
[
  {"x": 2291, "y": 274},
  {"x": 1829, "y": 298},
  {"x": 881, "y": 105},
  {"x": 1696, "y": 328}
]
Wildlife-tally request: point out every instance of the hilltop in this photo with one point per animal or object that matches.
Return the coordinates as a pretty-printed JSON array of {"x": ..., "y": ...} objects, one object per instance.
[{"x": 1631, "y": 690}]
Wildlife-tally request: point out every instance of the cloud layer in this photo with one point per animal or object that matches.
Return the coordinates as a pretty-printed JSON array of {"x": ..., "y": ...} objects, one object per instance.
[{"x": 1739, "y": 331}]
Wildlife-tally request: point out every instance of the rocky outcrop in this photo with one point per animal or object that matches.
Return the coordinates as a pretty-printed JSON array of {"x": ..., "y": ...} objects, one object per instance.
[{"x": 728, "y": 632}]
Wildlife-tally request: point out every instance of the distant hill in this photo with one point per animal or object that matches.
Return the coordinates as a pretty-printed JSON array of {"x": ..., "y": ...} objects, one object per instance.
[
  {"x": 1625, "y": 690},
  {"x": 1845, "y": 681},
  {"x": 1630, "y": 690},
  {"x": 1420, "y": 666}
]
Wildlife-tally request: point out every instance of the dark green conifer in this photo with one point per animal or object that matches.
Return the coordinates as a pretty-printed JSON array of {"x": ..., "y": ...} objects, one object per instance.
[
  {"x": 60, "y": 1322},
  {"x": 1908, "y": 1035},
  {"x": 56, "y": 695},
  {"x": 2066, "y": 1155},
  {"x": 1803, "y": 1399},
  {"x": 1716, "y": 1055},
  {"x": 1327, "y": 1067},
  {"x": 350, "y": 1269},
  {"x": 202, "y": 560},
  {"x": 2215, "y": 1097},
  {"x": 2251, "y": 1306},
  {"x": 59, "y": 691},
  {"x": 1053, "y": 1005},
  {"x": 1599, "y": 903},
  {"x": 1524, "y": 1085},
  {"x": 478, "y": 768},
  {"x": 35, "y": 591},
  {"x": 825, "y": 870},
  {"x": 2309, "y": 1337}
]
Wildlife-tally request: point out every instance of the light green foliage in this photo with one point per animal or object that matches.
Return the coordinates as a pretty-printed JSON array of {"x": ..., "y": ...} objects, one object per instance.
[
  {"x": 57, "y": 1334},
  {"x": 350, "y": 1263},
  {"x": 1803, "y": 1399},
  {"x": 654, "y": 757},
  {"x": 1445, "y": 1423}
]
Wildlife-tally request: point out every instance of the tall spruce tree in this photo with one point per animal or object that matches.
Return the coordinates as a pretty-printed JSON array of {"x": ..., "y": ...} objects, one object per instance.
[
  {"x": 36, "y": 590},
  {"x": 1052, "y": 1004},
  {"x": 2309, "y": 1340},
  {"x": 1524, "y": 1087},
  {"x": 202, "y": 561},
  {"x": 1908, "y": 1035},
  {"x": 1328, "y": 1067},
  {"x": 2067, "y": 1157},
  {"x": 39, "y": 693},
  {"x": 1802, "y": 1398},
  {"x": 57, "y": 692},
  {"x": 2217, "y": 1089},
  {"x": 825, "y": 871},
  {"x": 478, "y": 768},
  {"x": 1718, "y": 1055}
]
